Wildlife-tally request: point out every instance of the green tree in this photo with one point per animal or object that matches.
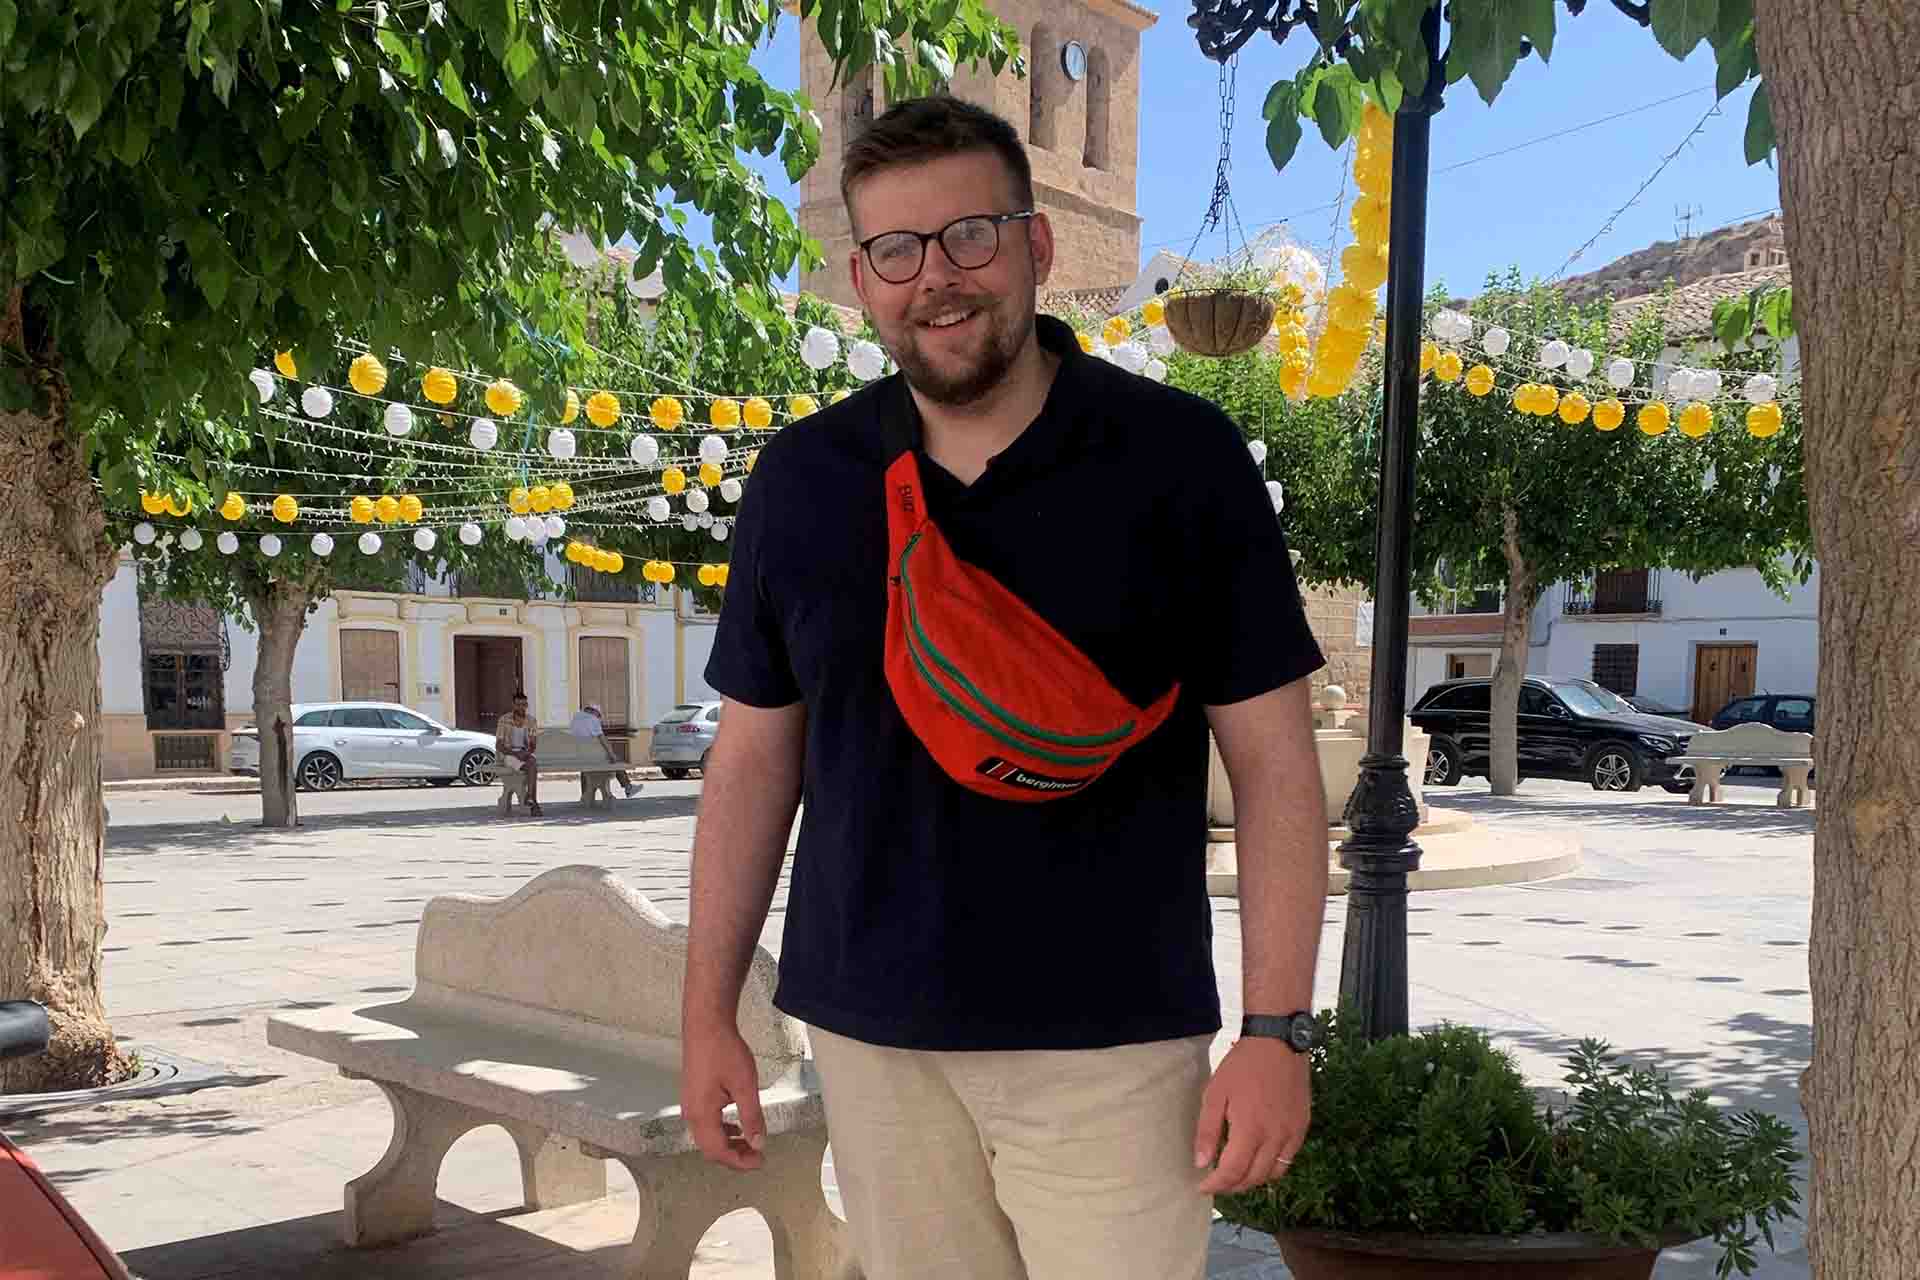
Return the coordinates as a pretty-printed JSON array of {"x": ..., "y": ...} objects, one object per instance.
[{"x": 188, "y": 186}]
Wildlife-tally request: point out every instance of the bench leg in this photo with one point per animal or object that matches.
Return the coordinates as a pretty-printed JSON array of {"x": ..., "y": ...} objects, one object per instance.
[
  {"x": 682, "y": 1196},
  {"x": 1793, "y": 787},
  {"x": 394, "y": 1200},
  {"x": 1706, "y": 784},
  {"x": 554, "y": 1171}
]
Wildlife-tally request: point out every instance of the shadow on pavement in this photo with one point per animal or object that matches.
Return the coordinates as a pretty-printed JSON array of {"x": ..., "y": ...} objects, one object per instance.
[
  {"x": 565, "y": 812},
  {"x": 136, "y": 1119}
]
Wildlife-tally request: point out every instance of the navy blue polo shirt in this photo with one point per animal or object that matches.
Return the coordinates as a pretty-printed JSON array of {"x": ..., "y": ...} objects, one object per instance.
[{"x": 922, "y": 915}]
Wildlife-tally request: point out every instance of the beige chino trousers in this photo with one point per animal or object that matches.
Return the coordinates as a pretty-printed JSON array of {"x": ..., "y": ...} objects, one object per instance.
[{"x": 1029, "y": 1165}]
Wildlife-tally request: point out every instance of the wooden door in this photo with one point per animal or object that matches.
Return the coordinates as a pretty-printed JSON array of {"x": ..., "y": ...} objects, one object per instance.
[
  {"x": 603, "y": 682},
  {"x": 486, "y": 674},
  {"x": 1721, "y": 673},
  {"x": 369, "y": 665}
]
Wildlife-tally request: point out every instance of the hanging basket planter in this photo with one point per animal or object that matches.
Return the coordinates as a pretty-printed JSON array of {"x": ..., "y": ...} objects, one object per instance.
[{"x": 1219, "y": 322}]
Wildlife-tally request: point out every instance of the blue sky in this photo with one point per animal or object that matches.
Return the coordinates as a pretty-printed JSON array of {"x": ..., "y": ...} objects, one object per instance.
[{"x": 1531, "y": 208}]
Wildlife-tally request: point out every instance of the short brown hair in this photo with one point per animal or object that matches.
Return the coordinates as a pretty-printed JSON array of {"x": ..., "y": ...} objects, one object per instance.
[{"x": 920, "y": 129}]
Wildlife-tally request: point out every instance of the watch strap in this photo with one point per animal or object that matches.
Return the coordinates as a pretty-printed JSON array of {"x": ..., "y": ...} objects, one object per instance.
[{"x": 1297, "y": 1031}]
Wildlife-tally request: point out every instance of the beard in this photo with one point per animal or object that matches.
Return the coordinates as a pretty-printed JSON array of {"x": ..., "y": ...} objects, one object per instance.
[{"x": 963, "y": 377}]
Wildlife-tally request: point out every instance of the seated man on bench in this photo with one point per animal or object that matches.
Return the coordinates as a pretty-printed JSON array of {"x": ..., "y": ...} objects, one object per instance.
[
  {"x": 588, "y": 723},
  {"x": 517, "y": 737}
]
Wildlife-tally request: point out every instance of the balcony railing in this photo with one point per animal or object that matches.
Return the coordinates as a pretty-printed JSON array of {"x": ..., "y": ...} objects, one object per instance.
[{"x": 1620, "y": 591}]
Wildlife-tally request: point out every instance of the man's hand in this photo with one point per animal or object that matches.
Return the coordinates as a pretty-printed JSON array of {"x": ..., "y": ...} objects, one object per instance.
[
  {"x": 716, "y": 1067},
  {"x": 1260, "y": 1094}
]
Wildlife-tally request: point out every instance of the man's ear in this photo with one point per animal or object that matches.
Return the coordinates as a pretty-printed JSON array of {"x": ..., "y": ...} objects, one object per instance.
[{"x": 1040, "y": 237}]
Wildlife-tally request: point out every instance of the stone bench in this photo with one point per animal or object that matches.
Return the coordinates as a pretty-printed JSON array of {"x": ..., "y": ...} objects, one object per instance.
[
  {"x": 555, "y": 1013},
  {"x": 1717, "y": 750},
  {"x": 560, "y": 751}
]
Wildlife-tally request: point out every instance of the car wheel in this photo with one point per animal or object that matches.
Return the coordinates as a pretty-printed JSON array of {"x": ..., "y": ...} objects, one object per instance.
[
  {"x": 674, "y": 774},
  {"x": 1443, "y": 763},
  {"x": 1614, "y": 767},
  {"x": 703, "y": 763},
  {"x": 320, "y": 771},
  {"x": 476, "y": 768},
  {"x": 1682, "y": 780}
]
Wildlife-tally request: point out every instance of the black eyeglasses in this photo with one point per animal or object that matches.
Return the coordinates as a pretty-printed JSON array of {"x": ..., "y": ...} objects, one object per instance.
[{"x": 970, "y": 243}]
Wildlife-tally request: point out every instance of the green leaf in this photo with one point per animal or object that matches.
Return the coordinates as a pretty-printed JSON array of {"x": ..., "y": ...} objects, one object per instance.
[
  {"x": 1759, "y": 125},
  {"x": 1486, "y": 43},
  {"x": 9, "y": 17},
  {"x": 1337, "y": 101},
  {"x": 455, "y": 92},
  {"x": 1535, "y": 18},
  {"x": 135, "y": 133},
  {"x": 520, "y": 59},
  {"x": 1733, "y": 321},
  {"x": 1283, "y": 137},
  {"x": 105, "y": 337},
  {"x": 1680, "y": 25},
  {"x": 84, "y": 104},
  {"x": 1775, "y": 313},
  {"x": 1281, "y": 97}
]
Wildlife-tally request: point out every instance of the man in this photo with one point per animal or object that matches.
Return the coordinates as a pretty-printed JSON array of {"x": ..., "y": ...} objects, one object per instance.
[
  {"x": 588, "y": 722},
  {"x": 517, "y": 737},
  {"x": 1010, "y": 1003}
]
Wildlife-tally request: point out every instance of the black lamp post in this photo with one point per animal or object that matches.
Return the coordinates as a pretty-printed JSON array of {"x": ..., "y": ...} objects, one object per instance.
[{"x": 1381, "y": 813}]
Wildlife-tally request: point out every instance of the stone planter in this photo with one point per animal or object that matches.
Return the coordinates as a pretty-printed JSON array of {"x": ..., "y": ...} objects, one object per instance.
[
  {"x": 1339, "y": 1255},
  {"x": 1223, "y": 322}
]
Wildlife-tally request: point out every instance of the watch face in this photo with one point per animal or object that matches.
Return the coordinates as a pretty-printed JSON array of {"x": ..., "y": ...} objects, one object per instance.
[
  {"x": 1073, "y": 59},
  {"x": 1301, "y": 1034}
]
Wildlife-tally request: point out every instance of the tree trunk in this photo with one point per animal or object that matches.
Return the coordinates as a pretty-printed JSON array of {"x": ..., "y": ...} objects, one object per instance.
[
  {"x": 280, "y": 615},
  {"x": 1516, "y": 629},
  {"x": 54, "y": 560},
  {"x": 1845, "y": 92}
]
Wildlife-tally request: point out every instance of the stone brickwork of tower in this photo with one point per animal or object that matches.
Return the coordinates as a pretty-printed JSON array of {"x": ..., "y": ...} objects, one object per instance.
[
  {"x": 1334, "y": 614},
  {"x": 1083, "y": 137}
]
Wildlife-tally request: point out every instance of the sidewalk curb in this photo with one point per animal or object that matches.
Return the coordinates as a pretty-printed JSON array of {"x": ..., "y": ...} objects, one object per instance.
[{"x": 230, "y": 784}]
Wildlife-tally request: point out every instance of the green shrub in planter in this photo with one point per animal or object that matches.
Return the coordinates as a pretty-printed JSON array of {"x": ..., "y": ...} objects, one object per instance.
[{"x": 1436, "y": 1133}]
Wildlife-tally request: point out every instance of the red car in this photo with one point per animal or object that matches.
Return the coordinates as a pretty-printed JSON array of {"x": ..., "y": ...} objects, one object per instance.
[{"x": 41, "y": 1238}]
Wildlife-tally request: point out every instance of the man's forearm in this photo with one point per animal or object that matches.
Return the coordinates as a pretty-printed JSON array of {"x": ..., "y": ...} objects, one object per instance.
[
  {"x": 746, "y": 812},
  {"x": 1280, "y": 840}
]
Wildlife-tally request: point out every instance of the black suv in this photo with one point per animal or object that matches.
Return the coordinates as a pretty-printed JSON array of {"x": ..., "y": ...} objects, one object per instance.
[
  {"x": 1790, "y": 711},
  {"x": 1567, "y": 728}
]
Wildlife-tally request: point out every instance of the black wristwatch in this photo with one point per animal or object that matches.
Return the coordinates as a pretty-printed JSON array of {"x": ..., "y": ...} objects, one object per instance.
[{"x": 1298, "y": 1031}]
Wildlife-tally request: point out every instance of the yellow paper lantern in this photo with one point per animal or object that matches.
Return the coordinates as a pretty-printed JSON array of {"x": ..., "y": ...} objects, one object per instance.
[
  {"x": 752, "y": 458},
  {"x": 361, "y": 509},
  {"x": 1523, "y": 398},
  {"x": 1116, "y": 330},
  {"x": 666, "y": 572},
  {"x": 758, "y": 413},
  {"x": 1696, "y": 419},
  {"x": 1369, "y": 221},
  {"x": 1324, "y": 382},
  {"x": 367, "y": 375},
  {"x": 1546, "y": 398},
  {"x": 179, "y": 506},
  {"x": 1574, "y": 408},
  {"x": 710, "y": 474},
  {"x": 603, "y": 408},
  {"x": 801, "y": 406},
  {"x": 153, "y": 503},
  {"x": 1293, "y": 381},
  {"x": 572, "y": 553},
  {"x": 666, "y": 413},
  {"x": 1086, "y": 343},
  {"x": 650, "y": 570},
  {"x": 1364, "y": 267},
  {"x": 1429, "y": 354},
  {"x": 1654, "y": 418},
  {"x": 285, "y": 509},
  {"x": 673, "y": 480},
  {"x": 838, "y": 396},
  {"x": 706, "y": 576},
  {"x": 724, "y": 414},
  {"x": 1764, "y": 420},
  {"x": 1350, "y": 307},
  {"x": 438, "y": 385},
  {"x": 1609, "y": 414},
  {"x": 519, "y": 501},
  {"x": 562, "y": 495},
  {"x": 504, "y": 398},
  {"x": 725, "y": 573},
  {"x": 386, "y": 508},
  {"x": 540, "y": 498},
  {"x": 283, "y": 361},
  {"x": 571, "y": 409},
  {"x": 1153, "y": 311},
  {"x": 233, "y": 507},
  {"x": 411, "y": 508},
  {"x": 616, "y": 563},
  {"x": 1447, "y": 366},
  {"x": 1479, "y": 380}
]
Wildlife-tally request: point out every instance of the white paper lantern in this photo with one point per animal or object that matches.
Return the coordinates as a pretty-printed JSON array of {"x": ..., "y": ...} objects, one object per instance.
[
  {"x": 1620, "y": 373},
  {"x": 866, "y": 361},
  {"x": 730, "y": 489},
  {"x": 537, "y": 535},
  {"x": 1496, "y": 341},
  {"x": 423, "y": 539},
  {"x": 1553, "y": 354},
  {"x": 516, "y": 528},
  {"x": 470, "y": 534},
  {"x": 369, "y": 543},
  {"x": 399, "y": 419},
  {"x": 1156, "y": 369},
  {"x": 144, "y": 534},
  {"x": 269, "y": 545},
  {"x": 560, "y": 443},
  {"x": 263, "y": 384},
  {"x": 719, "y": 531},
  {"x": 1761, "y": 388},
  {"x": 484, "y": 433},
  {"x": 1579, "y": 362},
  {"x": 190, "y": 540},
  {"x": 820, "y": 348},
  {"x": 1101, "y": 351},
  {"x": 555, "y": 527},
  {"x": 713, "y": 449},
  {"x": 1708, "y": 384},
  {"x": 689, "y": 522},
  {"x": 1277, "y": 495},
  {"x": 1442, "y": 325},
  {"x": 658, "y": 509},
  {"x": 1131, "y": 356},
  {"x": 1258, "y": 448},
  {"x": 227, "y": 542},
  {"x": 321, "y": 545},
  {"x": 1160, "y": 339},
  {"x": 696, "y": 500},
  {"x": 704, "y": 520},
  {"x": 317, "y": 401},
  {"x": 644, "y": 450}
]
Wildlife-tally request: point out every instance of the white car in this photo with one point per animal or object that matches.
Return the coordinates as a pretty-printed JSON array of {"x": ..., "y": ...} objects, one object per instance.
[{"x": 335, "y": 742}]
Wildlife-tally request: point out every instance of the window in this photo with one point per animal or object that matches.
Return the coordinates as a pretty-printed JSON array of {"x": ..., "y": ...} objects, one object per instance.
[
  {"x": 1461, "y": 665},
  {"x": 1099, "y": 150},
  {"x": 405, "y": 721},
  {"x": 1590, "y": 699},
  {"x": 313, "y": 720},
  {"x": 358, "y": 718},
  {"x": 713, "y": 716},
  {"x": 1468, "y": 697},
  {"x": 1744, "y": 710},
  {"x": 1046, "y": 84},
  {"x": 369, "y": 665},
  {"x": 1535, "y": 701},
  {"x": 185, "y": 690},
  {"x": 1617, "y": 667},
  {"x": 1795, "y": 715},
  {"x": 680, "y": 715}
]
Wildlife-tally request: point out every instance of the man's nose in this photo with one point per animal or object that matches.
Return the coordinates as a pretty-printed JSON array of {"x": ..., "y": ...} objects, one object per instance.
[{"x": 938, "y": 272}]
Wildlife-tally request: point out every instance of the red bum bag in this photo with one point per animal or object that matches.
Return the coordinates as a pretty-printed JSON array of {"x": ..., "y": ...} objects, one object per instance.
[{"x": 1002, "y": 701}]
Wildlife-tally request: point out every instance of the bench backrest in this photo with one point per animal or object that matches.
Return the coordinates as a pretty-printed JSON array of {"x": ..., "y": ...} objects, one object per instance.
[
  {"x": 579, "y": 942},
  {"x": 560, "y": 749},
  {"x": 1751, "y": 740}
]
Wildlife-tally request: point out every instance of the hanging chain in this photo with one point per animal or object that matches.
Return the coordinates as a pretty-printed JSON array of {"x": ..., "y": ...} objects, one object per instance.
[{"x": 1221, "y": 192}]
